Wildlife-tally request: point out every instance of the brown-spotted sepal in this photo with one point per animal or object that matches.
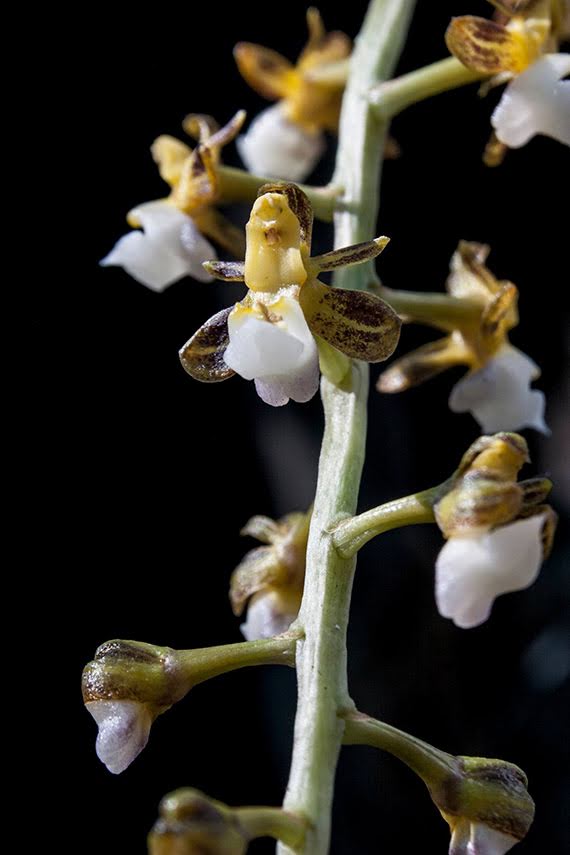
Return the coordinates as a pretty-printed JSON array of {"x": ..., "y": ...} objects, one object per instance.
[
  {"x": 190, "y": 823},
  {"x": 271, "y": 577},
  {"x": 203, "y": 355}
]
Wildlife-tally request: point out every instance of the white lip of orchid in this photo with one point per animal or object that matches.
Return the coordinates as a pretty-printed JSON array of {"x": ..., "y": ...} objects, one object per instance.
[
  {"x": 169, "y": 248},
  {"x": 537, "y": 101},
  {"x": 265, "y": 617},
  {"x": 124, "y": 728},
  {"x": 278, "y": 148},
  {"x": 499, "y": 394},
  {"x": 476, "y": 838},
  {"x": 274, "y": 346},
  {"x": 472, "y": 571}
]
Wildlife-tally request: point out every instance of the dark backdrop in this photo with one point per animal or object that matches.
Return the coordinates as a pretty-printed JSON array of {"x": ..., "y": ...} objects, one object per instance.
[{"x": 160, "y": 472}]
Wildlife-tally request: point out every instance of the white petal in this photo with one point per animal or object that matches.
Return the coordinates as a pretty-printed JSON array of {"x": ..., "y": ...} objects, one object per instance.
[
  {"x": 471, "y": 571},
  {"x": 170, "y": 247},
  {"x": 536, "y": 102},
  {"x": 268, "y": 614},
  {"x": 499, "y": 394},
  {"x": 476, "y": 838},
  {"x": 276, "y": 147},
  {"x": 124, "y": 727},
  {"x": 280, "y": 355}
]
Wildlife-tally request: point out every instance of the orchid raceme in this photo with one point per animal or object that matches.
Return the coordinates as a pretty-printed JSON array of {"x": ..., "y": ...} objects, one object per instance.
[
  {"x": 175, "y": 242},
  {"x": 519, "y": 47},
  {"x": 498, "y": 531},
  {"x": 497, "y": 388},
  {"x": 269, "y": 336},
  {"x": 286, "y": 141},
  {"x": 271, "y": 576}
]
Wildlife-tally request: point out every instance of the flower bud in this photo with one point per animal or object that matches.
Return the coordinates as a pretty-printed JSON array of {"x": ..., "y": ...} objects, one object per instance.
[
  {"x": 487, "y": 806},
  {"x": 192, "y": 823},
  {"x": 125, "y": 688}
]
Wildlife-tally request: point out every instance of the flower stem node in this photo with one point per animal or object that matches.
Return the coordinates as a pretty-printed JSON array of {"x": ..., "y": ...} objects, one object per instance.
[
  {"x": 477, "y": 317},
  {"x": 190, "y": 822},
  {"x": 287, "y": 139},
  {"x": 269, "y": 336},
  {"x": 171, "y": 237},
  {"x": 125, "y": 688},
  {"x": 519, "y": 47},
  {"x": 498, "y": 530},
  {"x": 271, "y": 576}
]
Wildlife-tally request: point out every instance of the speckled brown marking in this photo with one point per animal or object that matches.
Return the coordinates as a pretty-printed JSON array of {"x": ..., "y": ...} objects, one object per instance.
[
  {"x": 358, "y": 324},
  {"x": 535, "y": 490},
  {"x": 198, "y": 167},
  {"x": 203, "y": 355},
  {"x": 272, "y": 236}
]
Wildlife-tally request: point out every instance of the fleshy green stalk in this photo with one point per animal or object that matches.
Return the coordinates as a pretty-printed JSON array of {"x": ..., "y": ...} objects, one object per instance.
[
  {"x": 392, "y": 97},
  {"x": 350, "y": 535},
  {"x": 237, "y": 185},
  {"x": 321, "y": 654}
]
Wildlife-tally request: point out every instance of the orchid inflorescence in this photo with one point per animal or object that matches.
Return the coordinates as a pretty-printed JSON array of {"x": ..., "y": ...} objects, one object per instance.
[{"x": 292, "y": 332}]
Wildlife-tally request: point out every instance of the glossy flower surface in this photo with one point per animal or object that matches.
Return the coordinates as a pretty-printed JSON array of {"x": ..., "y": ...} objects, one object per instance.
[{"x": 272, "y": 335}]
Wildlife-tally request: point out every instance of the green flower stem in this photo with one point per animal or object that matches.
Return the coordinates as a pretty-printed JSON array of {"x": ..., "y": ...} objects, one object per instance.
[
  {"x": 438, "y": 310},
  {"x": 393, "y": 96},
  {"x": 272, "y": 822},
  {"x": 206, "y": 662},
  {"x": 321, "y": 654},
  {"x": 236, "y": 185},
  {"x": 435, "y": 767},
  {"x": 350, "y": 535}
]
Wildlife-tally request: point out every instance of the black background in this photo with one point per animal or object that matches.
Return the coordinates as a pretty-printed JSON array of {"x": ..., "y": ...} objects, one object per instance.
[{"x": 159, "y": 472}]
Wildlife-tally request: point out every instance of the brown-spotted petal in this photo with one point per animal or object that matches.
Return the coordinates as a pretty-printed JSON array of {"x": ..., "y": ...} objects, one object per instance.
[
  {"x": 227, "y": 271},
  {"x": 203, "y": 355},
  {"x": 422, "y": 364},
  {"x": 260, "y": 568},
  {"x": 198, "y": 184},
  {"x": 358, "y": 324},
  {"x": 348, "y": 255},
  {"x": 535, "y": 490},
  {"x": 170, "y": 155},
  {"x": 266, "y": 71},
  {"x": 487, "y": 47},
  {"x": 548, "y": 527}
]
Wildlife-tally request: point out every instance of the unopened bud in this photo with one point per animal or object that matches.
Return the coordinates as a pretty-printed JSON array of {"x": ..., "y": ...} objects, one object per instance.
[
  {"x": 191, "y": 823},
  {"x": 125, "y": 688},
  {"x": 487, "y": 806}
]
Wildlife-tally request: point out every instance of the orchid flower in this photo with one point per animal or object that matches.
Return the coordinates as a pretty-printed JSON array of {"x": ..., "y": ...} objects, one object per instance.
[
  {"x": 272, "y": 336},
  {"x": 170, "y": 236},
  {"x": 520, "y": 48},
  {"x": 498, "y": 531},
  {"x": 287, "y": 140},
  {"x": 496, "y": 389}
]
